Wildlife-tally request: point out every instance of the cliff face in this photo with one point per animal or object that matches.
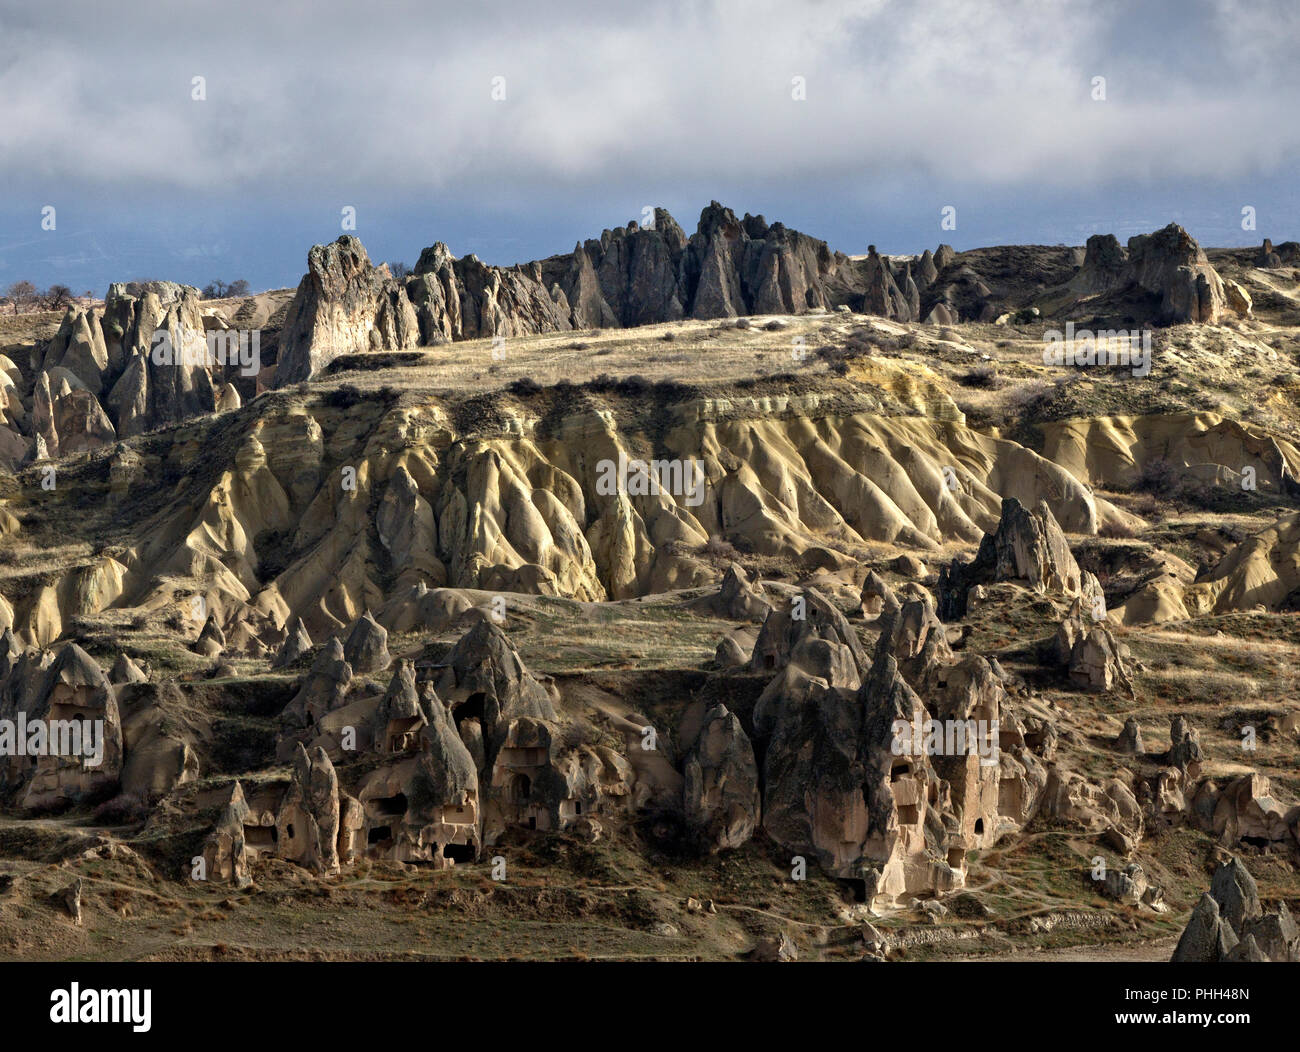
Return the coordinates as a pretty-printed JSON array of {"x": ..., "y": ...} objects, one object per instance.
[
  {"x": 156, "y": 355},
  {"x": 628, "y": 276},
  {"x": 532, "y": 509}
]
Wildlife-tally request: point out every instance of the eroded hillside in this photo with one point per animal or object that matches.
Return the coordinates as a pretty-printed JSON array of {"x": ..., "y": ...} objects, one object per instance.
[{"x": 536, "y": 638}]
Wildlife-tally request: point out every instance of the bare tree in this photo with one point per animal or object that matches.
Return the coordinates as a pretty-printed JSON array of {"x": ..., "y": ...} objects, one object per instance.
[
  {"x": 399, "y": 270},
  {"x": 223, "y": 290},
  {"x": 57, "y": 297},
  {"x": 21, "y": 294}
]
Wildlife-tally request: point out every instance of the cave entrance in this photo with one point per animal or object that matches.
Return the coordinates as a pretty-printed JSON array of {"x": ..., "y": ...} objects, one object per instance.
[
  {"x": 470, "y": 709},
  {"x": 389, "y": 806},
  {"x": 458, "y": 852},
  {"x": 853, "y": 889}
]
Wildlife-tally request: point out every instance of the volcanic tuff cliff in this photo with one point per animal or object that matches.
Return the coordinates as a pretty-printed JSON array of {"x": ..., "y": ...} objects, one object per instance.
[{"x": 107, "y": 374}]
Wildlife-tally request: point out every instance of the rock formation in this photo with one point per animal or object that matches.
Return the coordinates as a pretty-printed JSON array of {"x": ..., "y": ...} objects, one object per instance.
[
  {"x": 1028, "y": 547},
  {"x": 344, "y": 305},
  {"x": 74, "y": 748},
  {"x": 307, "y": 824},
  {"x": 1229, "y": 924},
  {"x": 1168, "y": 266},
  {"x": 721, "y": 783},
  {"x": 366, "y": 649},
  {"x": 296, "y": 643}
]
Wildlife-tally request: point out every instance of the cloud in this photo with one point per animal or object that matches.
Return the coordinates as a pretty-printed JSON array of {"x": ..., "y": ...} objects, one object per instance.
[{"x": 330, "y": 97}]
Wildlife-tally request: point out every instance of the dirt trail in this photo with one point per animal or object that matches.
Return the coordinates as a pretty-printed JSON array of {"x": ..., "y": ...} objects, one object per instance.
[{"x": 1152, "y": 950}]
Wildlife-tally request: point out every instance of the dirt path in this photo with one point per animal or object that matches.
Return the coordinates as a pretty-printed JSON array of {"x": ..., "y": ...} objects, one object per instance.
[{"x": 1151, "y": 950}]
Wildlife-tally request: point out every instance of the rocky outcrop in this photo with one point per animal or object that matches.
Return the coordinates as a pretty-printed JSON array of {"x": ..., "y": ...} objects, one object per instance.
[
  {"x": 297, "y": 642},
  {"x": 366, "y": 649},
  {"x": 307, "y": 823},
  {"x": 425, "y": 806},
  {"x": 859, "y": 781},
  {"x": 212, "y": 640},
  {"x": 323, "y": 688},
  {"x": 67, "y": 416},
  {"x": 630, "y": 276},
  {"x": 1238, "y": 810},
  {"x": 738, "y": 598},
  {"x": 1184, "y": 746},
  {"x": 1092, "y": 654},
  {"x": 1285, "y": 254},
  {"x": 721, "y": 783},
  {"x": 73, "y": 749},
  {"x": 877, "y": 597},
  {"x": 1027, "y": 547},
  {"x": 225, "y": 854},
  {"x": 1108, "y": 807},
  {"x": 399, "y": 719},
  {"x": 344, "y": 305},
  {"x": 1129, "y": 739},
  {"x": 1168, "y": 266},
  {"x": 794, "y": 630},
  {"x": 485, "y": 679},
  {"x": 1230, "y": 924},
  {"x": 156, "y": 332},
  {"x": 151, "y": 357}
]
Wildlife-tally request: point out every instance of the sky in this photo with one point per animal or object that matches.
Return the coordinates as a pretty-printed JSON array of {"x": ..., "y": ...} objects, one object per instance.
[{"x": 512, "y": 130}]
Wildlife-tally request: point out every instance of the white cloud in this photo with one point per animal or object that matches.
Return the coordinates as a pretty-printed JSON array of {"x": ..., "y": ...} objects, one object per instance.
[{"x": 344, "y": 95}]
